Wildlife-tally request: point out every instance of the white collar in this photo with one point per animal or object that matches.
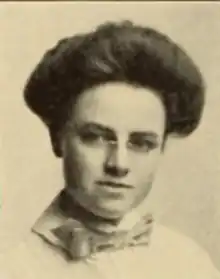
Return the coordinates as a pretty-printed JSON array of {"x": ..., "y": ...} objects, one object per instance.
[{"x": 53, "y": 217}]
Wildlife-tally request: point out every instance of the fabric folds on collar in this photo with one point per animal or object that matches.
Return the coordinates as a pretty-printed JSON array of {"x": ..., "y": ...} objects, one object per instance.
[{"x": 77, "y": 241}]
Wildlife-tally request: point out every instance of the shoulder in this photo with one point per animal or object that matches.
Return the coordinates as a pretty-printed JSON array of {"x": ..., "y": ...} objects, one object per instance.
[
  {"x": 29, "y": 259},
  {"x": 182, "y": 253},
  {"x": 165, "y": 236}
]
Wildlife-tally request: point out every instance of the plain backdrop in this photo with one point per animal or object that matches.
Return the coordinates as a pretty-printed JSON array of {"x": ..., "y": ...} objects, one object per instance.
[{"x": 186, "y": 193}]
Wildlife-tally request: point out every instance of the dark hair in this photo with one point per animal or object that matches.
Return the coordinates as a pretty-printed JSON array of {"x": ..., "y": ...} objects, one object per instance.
[{"x": 117, "y": 52}]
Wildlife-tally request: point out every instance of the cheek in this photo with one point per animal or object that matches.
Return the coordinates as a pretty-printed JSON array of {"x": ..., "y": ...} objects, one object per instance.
[
  {"x": 145, "y": 165},
  {"x": 83, "y": 162}
]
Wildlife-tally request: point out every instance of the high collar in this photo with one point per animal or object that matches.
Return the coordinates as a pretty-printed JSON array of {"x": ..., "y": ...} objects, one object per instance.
[{"x": 57, "y": 214}]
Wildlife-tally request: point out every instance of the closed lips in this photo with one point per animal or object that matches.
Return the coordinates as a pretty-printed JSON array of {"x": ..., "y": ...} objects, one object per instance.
[{"x": 114, "y": 184}]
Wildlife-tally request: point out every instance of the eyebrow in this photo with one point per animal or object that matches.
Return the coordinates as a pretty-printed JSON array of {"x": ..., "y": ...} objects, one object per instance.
[
  {"x": 103, "y": 128},
  {"x": 97, "y": 127},
  {"x": 147, "y": 134}
]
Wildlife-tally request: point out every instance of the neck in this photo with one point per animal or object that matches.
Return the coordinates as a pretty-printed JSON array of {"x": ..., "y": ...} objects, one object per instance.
[{"x": 72, "y": 209}]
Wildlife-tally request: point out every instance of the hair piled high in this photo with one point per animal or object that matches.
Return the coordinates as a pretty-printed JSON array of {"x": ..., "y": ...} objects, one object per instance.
[{"x": 117, "y": 52}]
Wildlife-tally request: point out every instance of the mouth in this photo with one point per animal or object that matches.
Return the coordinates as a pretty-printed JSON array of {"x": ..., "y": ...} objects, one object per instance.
[{"x": 115, "y": 185}]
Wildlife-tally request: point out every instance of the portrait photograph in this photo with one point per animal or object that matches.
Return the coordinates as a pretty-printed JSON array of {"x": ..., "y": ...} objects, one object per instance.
[{"x": 110, "y": 140}]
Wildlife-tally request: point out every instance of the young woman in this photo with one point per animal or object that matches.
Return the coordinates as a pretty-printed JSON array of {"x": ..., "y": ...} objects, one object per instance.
[{"x": 110, "y": 99}]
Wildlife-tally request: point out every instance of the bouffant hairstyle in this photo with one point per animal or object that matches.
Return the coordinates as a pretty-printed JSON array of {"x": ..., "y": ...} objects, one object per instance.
[{"x": 117, "y": 52}]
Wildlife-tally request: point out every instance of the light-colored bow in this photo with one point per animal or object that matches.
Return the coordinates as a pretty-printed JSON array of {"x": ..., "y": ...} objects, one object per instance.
[{"x": 81, "y": 242}]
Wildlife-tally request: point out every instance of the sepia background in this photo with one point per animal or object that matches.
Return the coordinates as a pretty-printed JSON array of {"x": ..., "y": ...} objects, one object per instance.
[{"x": 186, "y": 194}]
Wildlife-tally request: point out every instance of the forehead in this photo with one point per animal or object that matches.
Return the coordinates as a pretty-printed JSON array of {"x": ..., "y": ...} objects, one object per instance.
[{"x": 122, "y": 107}]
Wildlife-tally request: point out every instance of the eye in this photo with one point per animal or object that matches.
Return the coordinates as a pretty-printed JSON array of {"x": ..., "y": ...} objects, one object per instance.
[
  {"x": 96, "y": 138},
  {"x": 142, "y": 144},
  {"x": 93, "y": 138}
]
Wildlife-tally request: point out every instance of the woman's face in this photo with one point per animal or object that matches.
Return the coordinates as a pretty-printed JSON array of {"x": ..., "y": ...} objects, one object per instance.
[{"x": 111, "y": 147}]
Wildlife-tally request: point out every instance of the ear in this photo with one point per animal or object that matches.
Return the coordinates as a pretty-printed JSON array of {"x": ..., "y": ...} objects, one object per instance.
[{"x": 55, "y": 142}]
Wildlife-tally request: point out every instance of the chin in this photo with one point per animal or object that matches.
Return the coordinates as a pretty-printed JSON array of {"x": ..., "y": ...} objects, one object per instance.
[{"x": 110, "y": 212}]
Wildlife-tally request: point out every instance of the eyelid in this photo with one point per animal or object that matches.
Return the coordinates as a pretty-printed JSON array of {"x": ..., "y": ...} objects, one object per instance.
[
  {"x": 147, "y": 138},
  {"x": 100, "y": 132},
  {"x": 96, "y": 135},
  {"x": 144, "y": 143},
  {"x": 92, "y": 128}
]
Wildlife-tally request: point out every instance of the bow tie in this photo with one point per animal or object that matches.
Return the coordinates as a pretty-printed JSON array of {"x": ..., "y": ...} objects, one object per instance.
[{"x": 81, "y": 242}]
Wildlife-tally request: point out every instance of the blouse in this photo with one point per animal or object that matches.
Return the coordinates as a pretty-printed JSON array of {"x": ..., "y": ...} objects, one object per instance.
[{"x": 169, "y": 255}]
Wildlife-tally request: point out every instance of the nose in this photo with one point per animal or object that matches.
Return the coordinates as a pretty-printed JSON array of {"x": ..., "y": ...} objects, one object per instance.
[{"x": 116, "y": 163}]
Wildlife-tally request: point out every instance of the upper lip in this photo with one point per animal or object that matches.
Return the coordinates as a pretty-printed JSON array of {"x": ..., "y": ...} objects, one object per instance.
[{"x": 114, "y": 184}]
